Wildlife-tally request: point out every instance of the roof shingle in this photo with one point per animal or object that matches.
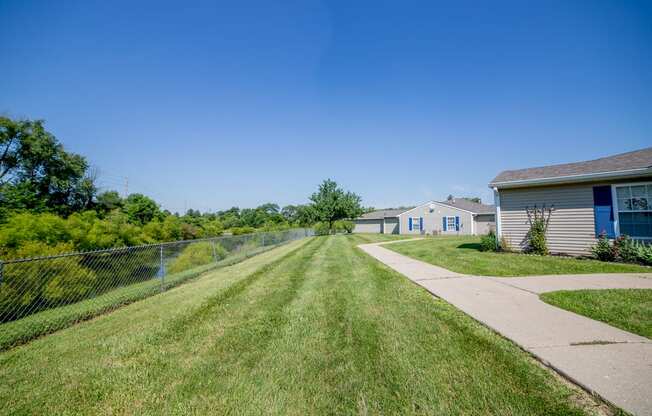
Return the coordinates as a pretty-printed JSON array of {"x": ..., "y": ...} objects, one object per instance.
[
  {"x": 468, "y": 205},
  {"x": 382, "y": 213},
  {"x": 639, "y": 159}
]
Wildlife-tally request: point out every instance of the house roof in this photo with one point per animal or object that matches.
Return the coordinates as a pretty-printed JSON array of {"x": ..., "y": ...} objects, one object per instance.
[
  {"x": 460, "y": 203},
  {"x": 471, "y": 206},
  {"x": 382, "y": 213},
  {"x": 621, "y": 165}
]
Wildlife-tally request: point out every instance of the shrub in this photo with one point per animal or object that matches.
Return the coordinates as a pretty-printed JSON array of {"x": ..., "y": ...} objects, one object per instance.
[
  {"x": 603, "y": 250},
  {"x": 536, "y": 238},
  {"x": 31, "y": 286},
  {"x": 489, "y": 242},
  {"x": 322, "y": 228},
  {"x": 539, "y": 218},
  {"x": 623, "y": 249},
  {"x": 342, "y": 226},
  {"x": 242, "y": 230},
  {"x": 348, "y": 226},
  {"x": 645, "y": 254},
  {"x": 196, "y": 254},
  {"x": 626, "y": 249}
]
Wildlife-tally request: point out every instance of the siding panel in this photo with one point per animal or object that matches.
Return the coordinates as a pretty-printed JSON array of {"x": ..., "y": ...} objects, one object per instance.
[
  {"x": 368, "y": 226},
  {"x": 432, "y": 220},
  {"x": 572, "y": 225}
]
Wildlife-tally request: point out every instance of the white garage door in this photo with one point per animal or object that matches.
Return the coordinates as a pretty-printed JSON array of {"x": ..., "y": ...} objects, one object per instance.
[{"x": 368, "y": 226}]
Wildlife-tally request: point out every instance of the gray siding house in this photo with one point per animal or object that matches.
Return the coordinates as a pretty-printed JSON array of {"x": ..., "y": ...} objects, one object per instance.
[
  {"x": 611, "y": 195},
  {"x": 454, "y": 217}
]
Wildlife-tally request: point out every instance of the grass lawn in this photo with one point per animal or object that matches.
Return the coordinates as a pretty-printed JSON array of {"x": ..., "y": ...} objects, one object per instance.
[
  {"x": 463, "y": 255},
  {"x": 628, "y": 309},
  {"x": 312, "y": 327}
]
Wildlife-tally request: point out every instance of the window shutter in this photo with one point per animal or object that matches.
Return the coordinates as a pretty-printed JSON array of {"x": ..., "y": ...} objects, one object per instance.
[
  {"x": 457, "y": 223},
  {"x": 420, "y": 223},
  {"x": 410, "y": 223},
  {"x": 444, "y": 224},
  {"x": 603, "y": 211}
]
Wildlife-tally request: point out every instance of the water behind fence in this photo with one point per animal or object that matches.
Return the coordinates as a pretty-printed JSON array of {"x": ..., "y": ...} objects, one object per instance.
[{"x": 41, "y": 295}]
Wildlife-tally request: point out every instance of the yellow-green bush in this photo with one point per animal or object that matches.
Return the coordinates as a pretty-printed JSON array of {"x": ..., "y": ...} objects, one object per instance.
[
  {"x": 197, "y": 254},
  {"x": 30, "y": 286}
]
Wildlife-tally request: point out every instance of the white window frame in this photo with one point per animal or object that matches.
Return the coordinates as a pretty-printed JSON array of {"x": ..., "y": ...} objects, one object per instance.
[
  {"x": 448, "y": 223},
  {"x": 614, "y": 204},
  {"x": 416, "y": 223}
]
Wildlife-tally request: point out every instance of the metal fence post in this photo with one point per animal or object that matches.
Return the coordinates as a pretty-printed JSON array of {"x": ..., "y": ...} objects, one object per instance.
[{"x": 161, "y": 266}]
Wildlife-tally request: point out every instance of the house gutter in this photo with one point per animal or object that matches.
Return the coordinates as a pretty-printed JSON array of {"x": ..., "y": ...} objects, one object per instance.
[
  {"x": 499, "y": 227},
  {"x": 590, "y": 177}
]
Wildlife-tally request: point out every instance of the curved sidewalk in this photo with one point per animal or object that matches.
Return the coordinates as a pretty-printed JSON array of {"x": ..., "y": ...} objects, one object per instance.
[{"x": 615, "y": 364}]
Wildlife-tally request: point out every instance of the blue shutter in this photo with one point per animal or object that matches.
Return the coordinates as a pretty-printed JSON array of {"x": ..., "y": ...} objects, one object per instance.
[
  {"x": 410, "y": 223},
  {"x": 420, "y": 223},
  {"x": 603, "y": 211},
  {"x": 457, "y": 223},
  {"x": 444, "y": 224}
]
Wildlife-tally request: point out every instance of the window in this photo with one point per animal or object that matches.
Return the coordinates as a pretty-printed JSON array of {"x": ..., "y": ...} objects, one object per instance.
[
  {"x": 450, "y": 223},
  {"x": 635, "y": 210},
  {"x": 416, "y": 223}
]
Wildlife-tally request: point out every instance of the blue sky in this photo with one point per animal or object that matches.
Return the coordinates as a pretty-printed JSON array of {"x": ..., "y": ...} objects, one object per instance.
[{"x": 214, "y": 104}]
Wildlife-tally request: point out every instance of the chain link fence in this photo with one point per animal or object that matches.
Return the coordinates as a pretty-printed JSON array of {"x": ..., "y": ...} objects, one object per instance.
[{"x": 42, "y": 295}]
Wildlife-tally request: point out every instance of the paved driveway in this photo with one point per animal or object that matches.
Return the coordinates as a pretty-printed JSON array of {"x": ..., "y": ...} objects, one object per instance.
[{"x": 615, "y": 364}]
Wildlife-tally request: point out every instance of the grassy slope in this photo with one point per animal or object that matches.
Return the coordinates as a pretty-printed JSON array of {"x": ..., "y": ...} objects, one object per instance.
[
  {"x": 51, "y": 320},
  {"x": 313, "y": 327},
  {"x": 462, "y": 255},
  {"x": 628, "y": 309}
]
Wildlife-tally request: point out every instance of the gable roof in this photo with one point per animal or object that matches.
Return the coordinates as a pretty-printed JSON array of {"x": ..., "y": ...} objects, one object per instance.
[
  {"x": 382, "y": 213},
  {"x": 471, "y": 206},
  {"x": 463, "y": 204},
  {"x": 622, "y": 165}
]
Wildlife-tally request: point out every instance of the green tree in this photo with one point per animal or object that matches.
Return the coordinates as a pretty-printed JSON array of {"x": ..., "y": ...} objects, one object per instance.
[
  {"x": 36, "y": 173},
  {"x": 108, "y": 201},
  {"x": 140, "y": 209},
  {"x": 290, "y": 213},
  {"x": 306, "y": 215},
  {"x": 332, "y": 203}
]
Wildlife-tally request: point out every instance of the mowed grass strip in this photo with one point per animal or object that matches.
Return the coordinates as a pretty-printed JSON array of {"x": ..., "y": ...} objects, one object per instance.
[
  {"x": 463, "y": 255},
  {"x": 321, "y": 328},
  {"x": 628, "y": 309}
]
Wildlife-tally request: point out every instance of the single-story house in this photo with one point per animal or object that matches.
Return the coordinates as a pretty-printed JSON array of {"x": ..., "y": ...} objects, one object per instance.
[
  {"x": 611, "y": 195},
  {"x": 453, "y": 217}
]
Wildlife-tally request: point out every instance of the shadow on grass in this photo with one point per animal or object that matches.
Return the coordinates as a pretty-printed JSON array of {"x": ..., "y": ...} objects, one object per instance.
[{"x": 470, "y": 246}]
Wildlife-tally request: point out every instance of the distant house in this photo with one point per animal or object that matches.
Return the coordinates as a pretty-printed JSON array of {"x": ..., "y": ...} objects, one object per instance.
[
  {"x": 454, "y": 217},
  {"x": 611, "y": 195}
]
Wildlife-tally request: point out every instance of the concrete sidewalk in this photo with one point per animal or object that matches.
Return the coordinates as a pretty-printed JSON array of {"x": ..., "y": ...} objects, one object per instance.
[{"x": 615, "y": 364}]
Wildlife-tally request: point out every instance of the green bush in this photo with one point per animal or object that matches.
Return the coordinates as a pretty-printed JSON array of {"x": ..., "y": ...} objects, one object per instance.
[
  {"x": 196, "y": 254},
  {"x": 603, "y": 250},
  {"x": 345, "y": 226},
  {"x": 242, "y": 230},
  {"x": 321, "y": 228},
  {"x": 32, "y": 286},
  {"x": 488, "y": 242},
  {"x": 645, "y": 254},
  {"x": 626, "y": 249},
  {"x": 536, "y": 238},
  {"x": 623, "y": 249}
]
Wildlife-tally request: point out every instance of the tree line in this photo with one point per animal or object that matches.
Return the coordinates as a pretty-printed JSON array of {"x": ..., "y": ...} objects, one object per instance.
[{"x": 50, "y": 204}]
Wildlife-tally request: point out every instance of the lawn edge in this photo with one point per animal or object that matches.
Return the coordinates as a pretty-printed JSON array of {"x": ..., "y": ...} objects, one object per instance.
[{"x": 557, "y": 373}]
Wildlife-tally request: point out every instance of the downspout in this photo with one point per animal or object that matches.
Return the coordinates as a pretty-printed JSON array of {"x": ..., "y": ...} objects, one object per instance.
[
  {"x": 472, "y": 224},
  {"x": 499, "y": 228}
]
